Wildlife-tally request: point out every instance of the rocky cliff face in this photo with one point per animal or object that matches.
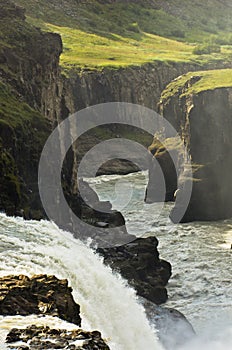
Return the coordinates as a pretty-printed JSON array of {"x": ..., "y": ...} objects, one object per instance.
[
  {"x": 29, "y": 67},
  {"x": 139, "y": 85},
  {"x": 204, "y": 121}
]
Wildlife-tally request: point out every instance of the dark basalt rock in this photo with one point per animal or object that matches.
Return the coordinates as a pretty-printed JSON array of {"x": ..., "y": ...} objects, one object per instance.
[
  {"x": 140, "y": 264},
  {"x": 99, "y": 222},
  {"x": 40, "y": 294},
  {"x": 168, "y": 157},
  {"x": 174, "y": 330},
  {"x": 40, "y": 338}
]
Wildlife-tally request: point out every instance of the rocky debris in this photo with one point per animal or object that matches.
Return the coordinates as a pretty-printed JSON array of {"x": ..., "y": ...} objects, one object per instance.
[
  {"x": 40, "y": 294},
  {"x": 174, "y": 330},
  {"x": 140, "y": 264},
  {"x": 41, "y": 338}
]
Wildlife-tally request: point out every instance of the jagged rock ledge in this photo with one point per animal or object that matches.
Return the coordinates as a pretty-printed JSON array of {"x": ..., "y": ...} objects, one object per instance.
[
  {"x": 140, "y": 264},
  {"x": 44, "y": 295},
  {"x": 40, "y": 294},
  {"x": 40, "y": 338},
  {"x": 48, "y": 295}
]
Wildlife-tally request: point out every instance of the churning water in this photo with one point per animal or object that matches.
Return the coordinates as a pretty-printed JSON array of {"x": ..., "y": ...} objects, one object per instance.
[
  {"x": 107, "y": 303},
  {"x": 200, "y": 254},
  {"x": 200, "y": 286}
]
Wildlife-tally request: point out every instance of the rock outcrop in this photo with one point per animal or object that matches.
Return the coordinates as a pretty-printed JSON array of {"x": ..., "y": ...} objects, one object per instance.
[
  {"x": 40, "y": 338},
  {"x": 44, "y": 295},
  {"x": 140, "y": 264},
  {"x": 202, "y": 115},
  {"x": 40, "y": 294},
  {"x": 167, "y": 158},
  {"x": 174, "y": 330},
  {"x": 105, "y": 226}
]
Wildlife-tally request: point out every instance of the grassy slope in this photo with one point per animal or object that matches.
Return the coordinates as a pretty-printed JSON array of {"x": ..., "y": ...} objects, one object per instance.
[
  {"x": 98, "y": 35},
  {"x": 208, "y": 80}
]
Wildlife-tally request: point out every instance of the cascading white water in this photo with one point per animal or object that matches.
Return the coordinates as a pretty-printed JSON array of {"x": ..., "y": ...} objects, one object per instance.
[
  {"x": 107, "y": 303},
  {"x": 200, "y": 286},
  {"x": 200, "y": 254}
]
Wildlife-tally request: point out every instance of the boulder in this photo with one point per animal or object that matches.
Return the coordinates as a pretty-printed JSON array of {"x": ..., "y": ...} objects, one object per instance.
[
  {"x": 174, "y": 330},
  {"x": 40, "y": 294},
  {"x": 140, "y": 264}
]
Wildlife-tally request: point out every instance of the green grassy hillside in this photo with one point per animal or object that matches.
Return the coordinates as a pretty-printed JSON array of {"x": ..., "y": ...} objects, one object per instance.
[
  {"x": 98, "y": 33},
  {"x": 204, "y": 80}
]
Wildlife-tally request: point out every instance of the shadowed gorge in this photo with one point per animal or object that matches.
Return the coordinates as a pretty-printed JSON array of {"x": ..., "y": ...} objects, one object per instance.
[{"x": 126, "y": 229}]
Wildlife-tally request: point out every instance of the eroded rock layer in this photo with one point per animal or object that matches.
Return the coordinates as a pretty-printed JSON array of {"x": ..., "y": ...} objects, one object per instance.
[
  {"x": 202, "y": 115},
  {"x": 40, "y": 294}
]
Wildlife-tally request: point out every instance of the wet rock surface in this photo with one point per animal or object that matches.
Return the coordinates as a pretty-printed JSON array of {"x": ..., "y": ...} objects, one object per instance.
[
  {"x": 40, "y": 294},
  {"x": 173, "y": 328},
  {"x": 40, "y": 338},
  {"x": 98, "y": 221},
  {"x": 140, "y": 264}
]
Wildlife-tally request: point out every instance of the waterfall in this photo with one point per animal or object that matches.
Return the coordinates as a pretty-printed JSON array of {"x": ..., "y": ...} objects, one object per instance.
[{"x": 107, "y": 303}]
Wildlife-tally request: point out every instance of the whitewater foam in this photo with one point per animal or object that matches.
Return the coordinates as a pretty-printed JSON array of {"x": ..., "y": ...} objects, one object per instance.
[
  {"x": 107, "y": 303},
  {"x": 200, "y": 254}
]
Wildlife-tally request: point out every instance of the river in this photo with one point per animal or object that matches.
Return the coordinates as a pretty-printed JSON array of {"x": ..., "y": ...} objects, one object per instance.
[
  {"x": 200, "y": 254},
  {"x": 200, "y": 287}
]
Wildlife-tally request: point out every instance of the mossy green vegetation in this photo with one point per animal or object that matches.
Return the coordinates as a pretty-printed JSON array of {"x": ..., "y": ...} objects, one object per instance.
[
  {"x": 170, "y": 144},
  {"x": 87, "y": 50},
  {"x": 196, "y": 82},
  {"x": 15, "y": 113},
  {"x": 23, "y": 132},
  {"x": 98, "y": 34},
  {"x": 17, "y": 118}
]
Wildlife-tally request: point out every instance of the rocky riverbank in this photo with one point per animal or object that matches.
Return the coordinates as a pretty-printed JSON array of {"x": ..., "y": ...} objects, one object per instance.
[
  {"x": 47, "y": 295},
  {"x": 39, "y": 295},
  {"x": 44, "y": 295},
  {"x": 140, "y": 264},
  {"x": 41, "y": 337}
]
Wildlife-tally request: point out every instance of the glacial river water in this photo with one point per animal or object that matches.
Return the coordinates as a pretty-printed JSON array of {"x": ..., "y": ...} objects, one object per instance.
[
  {"x": 200, "y": 254},
  {"x": 200, "y": 286}
]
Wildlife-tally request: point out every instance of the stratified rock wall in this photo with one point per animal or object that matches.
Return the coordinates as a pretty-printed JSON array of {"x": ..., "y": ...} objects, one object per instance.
[{"x": 205, "y": 124}]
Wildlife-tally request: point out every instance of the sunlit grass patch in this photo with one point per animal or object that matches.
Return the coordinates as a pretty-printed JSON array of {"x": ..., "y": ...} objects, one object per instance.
[
  {"x": 89, "y": 50},
  {"x": 206, "y": 80}
]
